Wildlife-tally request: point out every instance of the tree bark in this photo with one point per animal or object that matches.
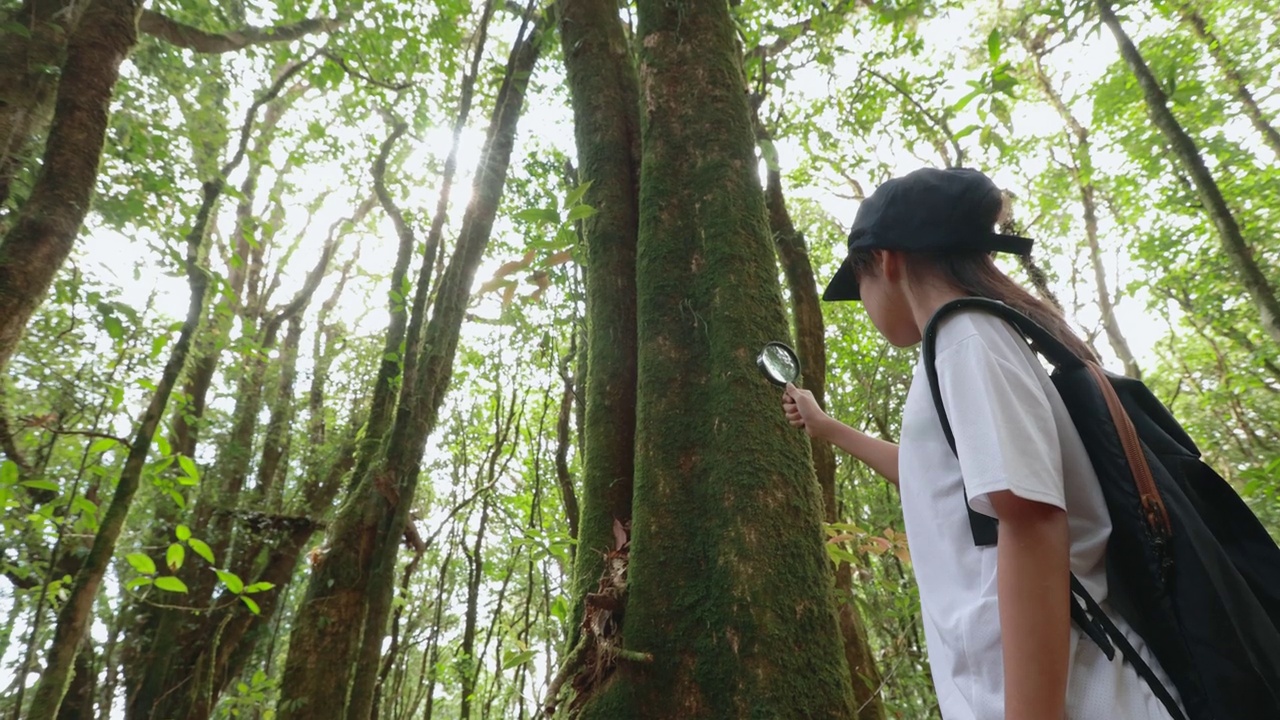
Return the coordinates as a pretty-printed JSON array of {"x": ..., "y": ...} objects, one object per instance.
[
  {"x": 1189, "y": 159},
  {"x": 467, "y": 651},
  {"x": 46, "y": 226},
  {"x": 604, "y": 89},
  {"x": 811, "y": 349},
  {"x": 727, "y": 575},
  {"x": 1234, "y": 80},
  {"x": 1083, "y": 175},
  {"x": 344, "y": 613}
]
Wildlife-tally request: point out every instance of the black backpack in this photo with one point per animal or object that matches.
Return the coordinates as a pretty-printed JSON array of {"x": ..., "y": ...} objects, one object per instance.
[{"x": 1189, "y": 566}]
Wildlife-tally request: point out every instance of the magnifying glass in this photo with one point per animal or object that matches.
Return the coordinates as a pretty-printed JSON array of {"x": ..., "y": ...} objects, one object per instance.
[{"x": 779, "y": 363}]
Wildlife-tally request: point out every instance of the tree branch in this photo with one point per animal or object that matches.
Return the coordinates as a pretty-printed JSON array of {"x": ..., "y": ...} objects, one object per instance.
[
  {"x": 184, "y": 36},
  {"x": 336, "y": 60},
  {"x": 939, "y": 122}
]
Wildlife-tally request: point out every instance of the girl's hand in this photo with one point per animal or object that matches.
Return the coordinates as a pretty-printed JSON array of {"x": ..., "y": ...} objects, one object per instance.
[{"x": 802, "y": 411}]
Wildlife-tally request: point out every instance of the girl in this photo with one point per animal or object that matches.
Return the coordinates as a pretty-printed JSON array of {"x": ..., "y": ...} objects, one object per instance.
[{"x": 997, "y": 619}]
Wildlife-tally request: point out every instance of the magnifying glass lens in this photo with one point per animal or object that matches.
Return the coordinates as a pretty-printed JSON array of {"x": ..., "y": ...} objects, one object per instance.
[{"x": 779, "y": 363}]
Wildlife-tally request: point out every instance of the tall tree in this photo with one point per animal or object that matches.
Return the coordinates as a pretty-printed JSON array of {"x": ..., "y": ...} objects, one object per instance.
[
  {"x": 601, "y": 76},
  {"x": 1227, "y": 67},
  {"x": 1082, "y": 171},
  {"x": 344, "y": 613},
  {"x": 811, "y": 350},
  {"x": 727, "y": 575},
  {"x": 1185, "y": 153}
]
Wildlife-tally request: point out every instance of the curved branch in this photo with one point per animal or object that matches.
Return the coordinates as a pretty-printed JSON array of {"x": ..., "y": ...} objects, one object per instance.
[
  {"x": 337, "y": 60},
  {"x": 184, "y": 36},
  {"x": 937, "y": 121}
]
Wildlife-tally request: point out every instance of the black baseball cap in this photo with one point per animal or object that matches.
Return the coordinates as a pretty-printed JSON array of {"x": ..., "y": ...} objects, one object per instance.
[{"x": 927, "y": 210}]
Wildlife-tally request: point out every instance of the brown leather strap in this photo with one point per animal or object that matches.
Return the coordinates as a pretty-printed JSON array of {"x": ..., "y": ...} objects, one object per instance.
[{"x": 1153, "y": 509}]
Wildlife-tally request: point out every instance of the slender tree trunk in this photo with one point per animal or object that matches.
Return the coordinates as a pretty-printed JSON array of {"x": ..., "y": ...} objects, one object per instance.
[
  {"x": 727, "y": 575},
  {"x": 73, "y": 618},
  {"x": 432, "y": 656},
  {"x": 1083, "y": 174},
  {"x": 467, "y": 650},
  {"x": 343, "y": 616},
  {"x": 1188, "y": 156},
  {"x": 1234, "y": 80},
  {"x": 604, "y": 89},
  {"x": 33, "y": 250},
  {"x": 568, "y": 495},
  {"x": 811, "y": 349}
]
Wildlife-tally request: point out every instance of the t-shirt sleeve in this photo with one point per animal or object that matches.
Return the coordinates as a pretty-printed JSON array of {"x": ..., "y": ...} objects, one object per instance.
[{"x": 1006, "y": 437}]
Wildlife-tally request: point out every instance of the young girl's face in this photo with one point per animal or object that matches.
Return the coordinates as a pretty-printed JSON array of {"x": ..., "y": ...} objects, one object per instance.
[{"x": 884, "y": 293}]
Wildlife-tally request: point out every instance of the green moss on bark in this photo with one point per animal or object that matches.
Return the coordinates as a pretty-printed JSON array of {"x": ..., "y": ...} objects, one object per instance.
[
  {"x": 729, "y": 584},
  {"x": 602, "y": 82}
]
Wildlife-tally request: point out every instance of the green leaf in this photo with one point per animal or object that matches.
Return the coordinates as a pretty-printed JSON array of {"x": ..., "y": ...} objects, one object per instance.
[
  {"x": 189, "y": 467},
  {"x": 182, "y": 532},
  {"x": 178, "y": 499},
  {"x": 258, "y": 587},
  {"x": 249, "y": 603},
  {"x": 580, "y": 212},
  {"x": 113, "y": 327},
  {"x": 174, "y": 556},
  {"x": 516, "y": 659},
  {"x": 157, "y": 345},
  {"x": 560, "y": 609},
  {"x": 8, "y": 472},
  {"x": 141, "y": 563},
  {"x": 171, "y": 584},
  {"x": 16, "y": 28},
  {"x": 163, "y": 446},
  {"x": 231, "y": 580},
  {"x": 40, "y": 485},
  {"x": 199, "y": 547},
  {"x": 102, "y": 445},
  {"x": 575, "y": 195},
  {"x": 539, "y": 215},
  {"x": 140, "y": 581},
  {"x": 993, "y": 45}
]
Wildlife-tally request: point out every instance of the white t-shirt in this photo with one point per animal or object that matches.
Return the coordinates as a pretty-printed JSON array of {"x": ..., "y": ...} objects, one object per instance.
[{"x": 1012, "y": 433}]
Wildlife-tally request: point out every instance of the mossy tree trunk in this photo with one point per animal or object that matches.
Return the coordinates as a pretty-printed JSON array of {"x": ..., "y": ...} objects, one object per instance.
[
  {"x": 602, "y": 82},
  {"x": 811, "y": 349},
  {"x": 729, "y": 587},
  {"x": 329, "y": 674},
  {"x": 34, "y": 248}
]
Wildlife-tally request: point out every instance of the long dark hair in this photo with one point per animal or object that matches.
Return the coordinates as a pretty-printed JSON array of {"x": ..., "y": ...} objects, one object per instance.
[{"x": 975, "y": 273}]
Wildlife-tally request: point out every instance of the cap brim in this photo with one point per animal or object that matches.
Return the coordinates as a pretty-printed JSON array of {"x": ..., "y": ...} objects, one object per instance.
[
  {"x": 844, "y": 285},
  {"x": 998, "y": 242}
]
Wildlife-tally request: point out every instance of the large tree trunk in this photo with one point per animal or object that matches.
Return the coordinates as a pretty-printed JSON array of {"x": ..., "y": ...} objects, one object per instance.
[
  {"x": 729, "y": 610},
  {"x": 1083, "y": 175},
  {"x": 604, "y": 89},
  {"x": 811, "y": 349},
  {"x": 45, "y": 228},
  {"x": 347, "y": 603},
  {"x": 1188, "y": 156}
]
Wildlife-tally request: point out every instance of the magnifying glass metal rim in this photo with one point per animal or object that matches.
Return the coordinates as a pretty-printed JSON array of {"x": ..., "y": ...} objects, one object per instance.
[{"x": 764, "y": 370}]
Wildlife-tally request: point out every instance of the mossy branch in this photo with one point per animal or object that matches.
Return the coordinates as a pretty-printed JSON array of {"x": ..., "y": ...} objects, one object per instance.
[{"x": 185, "y": 36}]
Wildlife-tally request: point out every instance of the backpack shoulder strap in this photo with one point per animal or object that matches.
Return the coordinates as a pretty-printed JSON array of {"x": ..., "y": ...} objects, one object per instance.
[{"x": 982, "y": 527}]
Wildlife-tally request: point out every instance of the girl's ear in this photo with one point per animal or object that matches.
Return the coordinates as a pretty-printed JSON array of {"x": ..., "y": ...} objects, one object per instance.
[{"x": 891, "y": 265}]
